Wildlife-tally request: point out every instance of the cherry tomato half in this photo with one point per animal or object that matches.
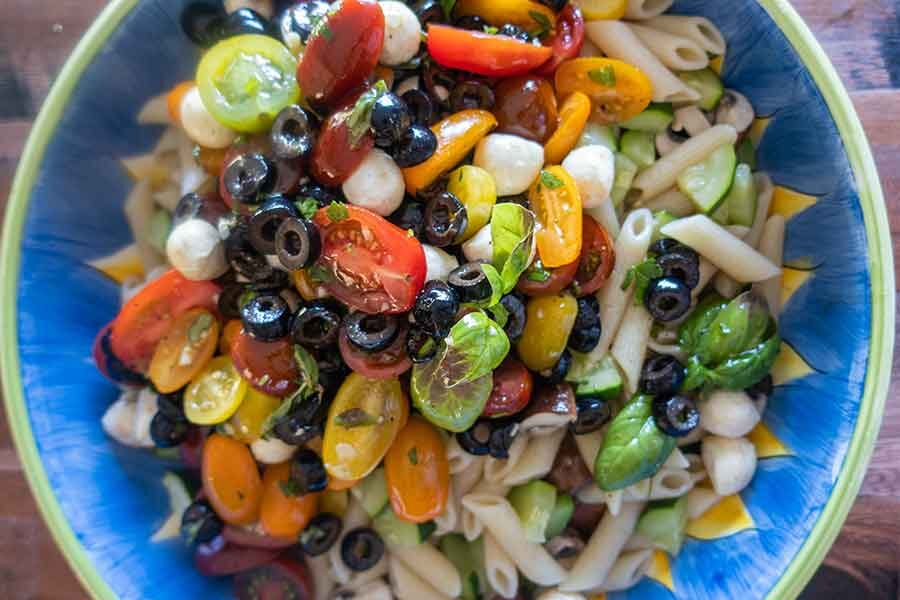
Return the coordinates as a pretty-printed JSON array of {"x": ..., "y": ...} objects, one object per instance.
[
  {"x": 374, "y": 266},
  {"x": 280, "y": 515},
  {"x": 335, "y": 157},
  {"x": 483, "y": 53},
  {"x": 268, "y": 366},
  {"x": 567, "y": 39},
  {"x": 386, "y": 364},
  {"x": 418, "y": 473},
  {"x": 556, "y": 202},
  {"x": 109, "y": 364},
  {"x": 573, "y": 116},
  {"x": 526, "y": 106},
  {"x": 281, "y": 579},
  {"x": 598, "y": 258},
  {"x": 512, "y": 389},
  {"x": 548, "y": 325},
  {"x": 146, "y": 318},
  {"x": 231, "y": 480},
  {"x": 540, "y": 281},
  {"x": 185, "y": 349},
  {"x": 501, "y": 12},
  {"x": 618, "y": 90}
]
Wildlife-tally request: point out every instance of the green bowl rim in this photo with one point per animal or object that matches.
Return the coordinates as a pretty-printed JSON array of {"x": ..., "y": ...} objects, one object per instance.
[{"x": 878, "y": 374}]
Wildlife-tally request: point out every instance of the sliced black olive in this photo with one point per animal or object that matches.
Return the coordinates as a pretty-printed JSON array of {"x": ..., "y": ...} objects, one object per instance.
[
  {"x": 115, "y": 369},
  {"x": 416, "y": 145},
  {"x": 516, "y": 316},
  {"x": 266, "y": 220},
  {"x": 470, "y": 283},
  {"x": 661, "y": 375},
  {"x": 297, "y": 243},
  {"x": 420, "y": 107},
  {"x": 437, "y": 81},
  {"x": 305, "y": 421},
  {"x": 230, "y": 300},
  {"x": 271, "y": 280},
  {"x": 421, "y": 346},
  {"x": 471, "y": 95},
  {"x": 166, "y": 432},
  {"x": 240, "y": 22},
  {"x": 247, "y": 176},
  {"x": 593, "y": 413},
  {"x": 323, "y": 195},
  {"x": 410, "y": 216},
  {"x": 371, "y": 333},
  {"x": 308, "y": 473},
  {"x": 320, "y": 535},
  {"x": 681, "y": 263},
  {"x": 316, "y": 326},
  {"x": 558, "y": 372},
  {"x": 587, "y": 329},
  {"x": 172, "y": 405},
  {"x": 676, "y": 416},
  {"x": 554, "y": 5},
  {"x": 665, "y": 245},
  {"x": 266, "y": 317},
  {"x": 242, "y": 256},
  {"x": 514, "y": 31},
  {"x": 477, "y": 438},
  {"x": 196, "y": 19},
  {"x": 445, "y": 220},
  {"x": 667, "y": 299},
  {"x": 293, "y": 133},
  {"x": 435, "y": 308},
  {"x": 296, "y": 23},
  {"x": 471, "y": 22},
  {"x": 200, "y": 524},
  {"x": 761, "y": 389},
  {"x": 428, "y": 11},
  {"x": 390, "y": 120},
  {"x": 361, "y": 549},
  {"x": 502, "y": 437}
]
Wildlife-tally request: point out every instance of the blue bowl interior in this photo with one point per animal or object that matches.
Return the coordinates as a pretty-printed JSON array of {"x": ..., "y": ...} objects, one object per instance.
[{"x": 112, "y": 497}]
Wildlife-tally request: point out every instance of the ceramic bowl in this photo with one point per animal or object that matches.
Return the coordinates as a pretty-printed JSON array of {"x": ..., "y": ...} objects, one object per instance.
[{"x": 102, "y": 502}]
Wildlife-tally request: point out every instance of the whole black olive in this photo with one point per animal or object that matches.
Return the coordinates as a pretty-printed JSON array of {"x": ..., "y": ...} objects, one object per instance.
[
  {"x": 248, "y": 176},
  {"x": 200, "y": 524},
  {"x": 361, "y": 549},
  {"x": 297, "y": 243},
  {"x": 415, "y": 146},
  {"x": 470, "y": 283},
  {"x": 391, "y": 120},
  {"x": 428, "y": 11},
  {"x": 371, "y": 333},
  {"x": 308, "y": 473},
  {"x": 420, "y": 107},
  {"x": 270, "y": 280},
  {"x": 667, "y": 299},
  {"x": 316, "y": 326},
  {"x": 445, "y": 219},
  {"x": 477, "y": 438},
  {"x": 471, "y": 22},
  {"x": 320, "y": 534},
  {"x": 293, "y": 133},
  {"x": 266, "y": 317},
  {"x": 665, "y": 245},
  {"x": 516, "y": 316},
  {"x": 676, "y": 416},
  {"x": 421, "y": 346},
  {"x": 240, "y": 22},
  {"x": 263, "y": 225},
  {"x": 437, "y": 81},
  {"x": 172, "y": 405},
  {"x": 662, "y": 375},
  {"x": 587, "y": 329},
  {"x": 593, "y": 413},
  {"x": 196, "y": 19},
  {"x": 295, "y": 23},
  {"x": 471, "y": 95},
  {"x": 435, "y": 308},
  {"x": 410, "y": 216},
  {"x": 167, "y": 432},
  {"x": 681, "y": 263}
]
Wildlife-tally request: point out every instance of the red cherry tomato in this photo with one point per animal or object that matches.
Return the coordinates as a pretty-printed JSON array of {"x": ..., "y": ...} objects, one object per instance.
[
  {"x": 598, "y": 257},
  {"x": 374, "y": 266},
  {"x": 567, "y": 40},
  {"x": 483, "y": 53},
  {"x": 219, "y": 558},
  {"x": 512, "y": 389},
  {"x": 268, "y": 366},
  {"x": 342, "y": 52},
  {"x": 335, "y": 157},
  {"x": 283, "y": 579},
  {"x": 540, "y": 281},
  {"x": 387, "y": 364},
  {"x": 109, "y": 364},
  {"x": 144, "y": 320}
]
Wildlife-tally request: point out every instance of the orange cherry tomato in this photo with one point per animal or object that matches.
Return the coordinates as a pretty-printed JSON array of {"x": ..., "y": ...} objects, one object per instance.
[
  {"x": 526, "y": 106},
  {"x": 484, "y": 53},
  {"x": 269, "y": 367},
  {"x": 339, "y": 485},
  {"x": 457, "y": 135},
  {"x": 418, "y": 473},
  {"x": 211, "y": 159},
  {"x": 231, "y": 480},
  {"x": 280, "y": 515},
  {"x": 618, "y": 90},
  {"x": 174, "y": 98},
  {"x": 185, "y": 349},
  {"x": 501, "y": 12},
  {"x": 557, "y": 204},
  {"x": 573, "y": 116},
  {"x": 230, "y": 333}
]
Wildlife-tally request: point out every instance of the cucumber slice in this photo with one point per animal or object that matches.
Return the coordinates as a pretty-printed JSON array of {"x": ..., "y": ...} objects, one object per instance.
[
  {"x": 394, "y": 530},
  {"x": 654, "y": 119},
  {"x": 741, "y": 200},
  {"x": 664, "y": 523},
  {"x": 720, "y": 215},
  {"x": 372, "y": 492},
  {"x": 179, "y": 500},
  {"x": 560, "y": 515},
  {"x": 707, "y": 182},
  {"x": 158, "y": 229},
  {"x": 534, "y": 502},
  {"x": 581, "y": 368},
  {"x": 746, "y": 153},
  {"x": 601, "y": 379},
  {"x": 626, "y": 171},
  {"x": 707, "y": 84},
  {"x": 661, "y": 218},
  {"x": 595, "y": 134},
  {"x": 468, "y": 560},
  {"x": 640, "y": 147}
]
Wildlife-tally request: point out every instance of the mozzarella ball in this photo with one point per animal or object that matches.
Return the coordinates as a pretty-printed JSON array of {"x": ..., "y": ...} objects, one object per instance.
[
  {"x": 730, "y": 463},
  {"x": 557, "y": 595},
  {"x": 118, "y": 420},
  {"x": 728, "y": 413},
  {"x": 480, "y": 246},
  {"x": 374, "y": 590},
  {"x": 145, "y": 410},
  {"x": 402, "y": 33},
  {"x": 514, "y": 162},
  {"x": 263, "y": 7},
  {"x": 593, "y": 169},
  {"x": 200, "y": 125},
  {"x": 377, "y": 184},
  {"x": 438, "y": 263},
  {"x": 271, "y": 451},
  {"x": 195, "y": 248}
]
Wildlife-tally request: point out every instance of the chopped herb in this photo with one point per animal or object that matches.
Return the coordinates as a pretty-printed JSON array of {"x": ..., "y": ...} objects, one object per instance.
[
  {"x": 290, "y": 488},
  {"x": 413, "y": 456},
  {"x": 605, "y": 76},
  {"x": 307, "y": 207},
  {"x": 423, "y": 37},
  {"x": 410, "y": 233},
  {"x": 308, "y": 380},
  {"x": 499, "y": 314},
  {"x": 355, "y": 417},
  {"x": 544, "y": 24},
  {"x": 641, "y": 275},
  {"x": 264, "y": 379},
  {"x": 538, "y": 274},
  {"x": 320, "y": 27},
  {"x": 551, "y": 181},
  {"x": 319, "y": 274},
  {"x": 246, "y": 297},
  {"x": 337, "y": 212},
  {"x": 447, "y": 6},
  {"x": 360, "y": 120},
  {"x": 199, "y": 327},
  {"x": 490, "y": 30}
]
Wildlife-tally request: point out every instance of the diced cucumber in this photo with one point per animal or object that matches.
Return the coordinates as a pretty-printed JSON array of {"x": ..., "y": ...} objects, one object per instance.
[
  {"x": 640, "y": 147},
  {"x": 560, "y": 515},
  {"x": 707, "y": 84},
  {"x": 707, "y": 182},
  {"x": 581, "y": 368},
  {"x": 534, "y": 502},
  {"x": 720, "y": 215},
  {"x": 334, "y": 502},
  {"x": 663, "y": 523},
  {"x": 394, "y": 530},
  {"x": 626, "y": 171},
  {"x": 179, "y": 499},
  {"x": 741, "y": 200},
  {"x": 468, "y": 558},
  {"x": 595, "y": 134},
  {"x": 655, "y": 119},
  {"x": 746, "y": 153},
  {"x": 661, "y": 218},
  {"x": 602, "y": 379},
  {"x": 158, "y": 229},
  {"x": 372, "y": 492}
]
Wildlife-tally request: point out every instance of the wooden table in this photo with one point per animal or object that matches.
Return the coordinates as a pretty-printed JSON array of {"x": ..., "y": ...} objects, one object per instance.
[{"x": 862, "y": 37}]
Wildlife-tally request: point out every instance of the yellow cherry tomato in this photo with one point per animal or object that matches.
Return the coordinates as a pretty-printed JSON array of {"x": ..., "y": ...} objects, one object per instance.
[
  {"x": 596, "y": 10},
  {"x": 363, "y": 422},
  {"x": 187, "y": 346},
  {"x": 517, "y": 12},
  {"x": 417, "y": 473},
  {"x": 252, "y": 414},
  {"x": 456, "y": 135},
  {"x": 618, "y": 90},
  {"x": 549, "y": 322},
  {"x": 557, "y": 204},
  {"x": 573, "y": 116},
  {"x": 477, "y": 190},
  {"x": 215, "y": 394}
]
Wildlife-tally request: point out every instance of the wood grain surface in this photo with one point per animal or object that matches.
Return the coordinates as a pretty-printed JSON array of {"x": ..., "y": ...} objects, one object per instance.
[{"x": 862, "y": 37}]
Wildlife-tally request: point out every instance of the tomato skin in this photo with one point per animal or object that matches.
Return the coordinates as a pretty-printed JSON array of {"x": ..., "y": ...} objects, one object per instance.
[
  {"x": 391, "y": 362},
  {"x": 513, "y": 385},
  {"x": 375, "y": 266},
  {"x": 344, "y": 54},
  {"x": 268, "y": 366},
  {"x": 283, "y": 516},
  {"x": 282, "y": 579},
  {"x": 598, "y": 258},
  {"x": 526, "y": 106},
  {"x": 168, "y": 370},
  {"x": 482, "y": 53},
  {"x": 558, "y": 211},
  {"x": 231, "y": 480},
  {"x": 573, "y": 117},
  {"x": 567, "y": 40},
  {"x": 334, "y": 157},
  {"x": 110, "y": 365},
  {"x": 174, "y": 98},
  {"x": 548, "y": 325},
  {"x": 560, "y": 279},
  {"x": 146, "y": 318},
  {"x": 418, "y": 472},
  {"x": 627, "y": 98}
]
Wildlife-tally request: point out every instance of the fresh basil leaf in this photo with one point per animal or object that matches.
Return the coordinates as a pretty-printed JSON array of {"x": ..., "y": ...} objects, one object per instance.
[
  {"x": 544, "y": 25},
  {"x": 490, "y": 30},
  {"x": 359, "y": 122},
  {"x": 537, "y": 273},
  {"x": 739, "y": 326},
  {"x": 633, "y": 448},
  {"x": 499, "y": 314},
  {"x": 641, "y": 275},
  {"x": 307, "y": 207},
  {"x": 482, "y": 343},
  {"x": 748, "y": 367},
  {"x": 319, "y": 274},
  {"x": 604, "y": 76},
  {"x": 551, "y": 181},
  {"x": 695, "y": 327},
  {"x": 309, "y": 371},
  {"x": 447, "y": 6},
  {"x": 512, "y": 234},
  {"x": 496, "y": 282}
]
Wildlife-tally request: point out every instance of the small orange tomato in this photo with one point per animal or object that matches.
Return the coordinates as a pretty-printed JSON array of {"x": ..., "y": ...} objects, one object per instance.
[
  {"x": 573, "y": 116},
  {"x": 187, "y": 346},
  {"x": 417, "y": 472},
  {"x": 280, "y": 515},
  {"x": 212, "y": 160},
  {"x": 174, "y": 98},
  {"x": 230, "y": 333},
  {"x": 231, "y": 480},
  {"x": 339, "y": 485},
  {"x": 618, "y": 90},
  {"x": 515, "y": 12},
  {"x": 557, "y": 204}
]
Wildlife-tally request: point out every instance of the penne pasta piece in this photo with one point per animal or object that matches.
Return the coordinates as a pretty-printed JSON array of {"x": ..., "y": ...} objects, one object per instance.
[
  {"x": 500, "y": 570},
  {"x": 676, "y": 52},
  {"x": 676, "y": 460},
  {"x": 772, "y": 247},
  {"x": 637, "y": 492},
  {"x": 765, "y": 190},
  {"x": 700, "y": 30},
  {"x": 459, "y": 459},
  {"x": 707, "y": 273},
  {"x": 408, "y": 585},
  {"x": 466, "y": 480},
  {"x": 670, "y": 483},
  {"x": 691, "y": 120},
  {"x": 646, "y": 9},
  {"x": 589, "y": 446},
  {"x": 472, "y": 527},
  {"x": 496, "y": 470},
  {"x": 700, "y": 500},
  {"x": 630, "y": 346},
  {"x": 726, "y": 286},
  {"x": 627, "y": 570},
  {"x": 448, "y": 521},
  {"x": 428, "y": 563},
  {"x": 322, "y": 582},
  {"x": 695, "y": 467},
  {"x": 139, "y": 209},
  {"x": 537, "y": 459},
  {"x": 606, "y": 216}
]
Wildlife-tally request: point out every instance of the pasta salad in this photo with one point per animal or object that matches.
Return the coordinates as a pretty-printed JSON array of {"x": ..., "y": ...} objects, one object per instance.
[{"x": 445, "y": 299}]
